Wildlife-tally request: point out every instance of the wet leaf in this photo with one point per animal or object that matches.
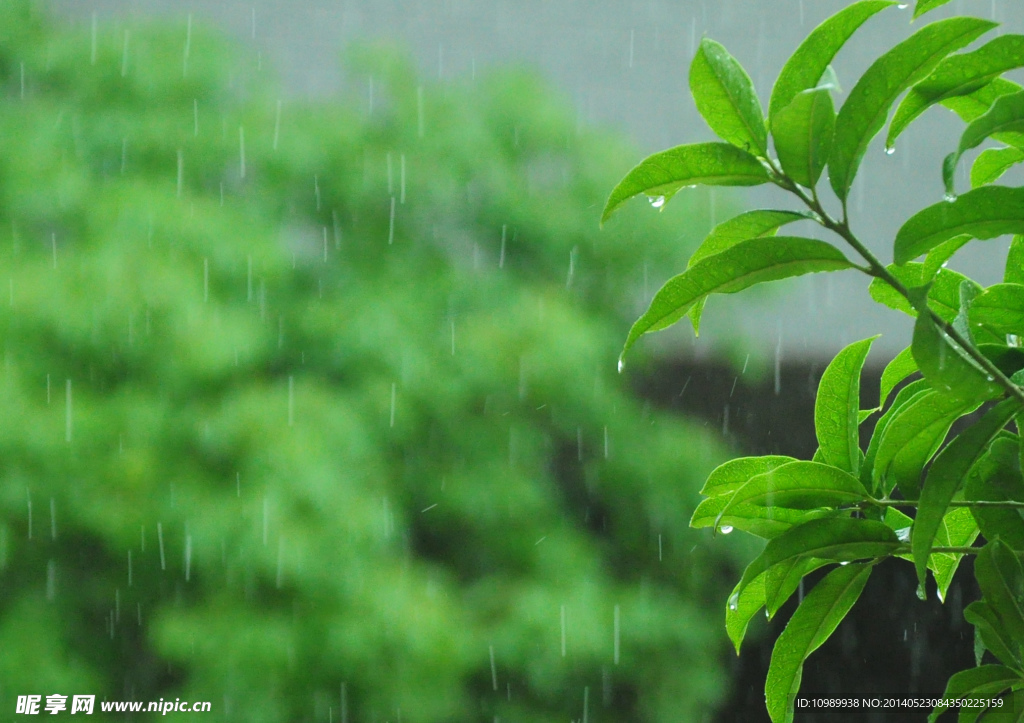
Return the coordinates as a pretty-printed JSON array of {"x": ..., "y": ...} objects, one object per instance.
[
  {"x": 986, "y": 681},
  {"x": 982, "y": 213},
  {"x": 939, "y": 255},
  {"x": 866, "y": 108},
  {"x": 992, "y": 163},
  {"x": 802, "y": 132},
  {"x": 811, "y": 625},
  {"x": 997, "y": 478},
  {"x": 901, "y": 367},
  {"x": 664, "y": 173},
  {"x": 758, "y": 520},
  {"x": 730, "y": 476},
  {"x": 958, "y": 75},
  {"x": 945, "y": 477},
  {"x": 839, "y": 539},
  {"x": 1001, "y": 579},
  {"x": 958, "y": 529},
  {"x": 943, "y": 295},
  {"x": 999, "y": 308},
  {"x": 911, "y": 436},
  {"x": 740, "y": 267},
  {"x": 808, "y": 64},
  {"x": 903, "y": 398},
  {"x": 836, "y": 407},
  {"x": 752, "y": 224},
  {"x": 947, "y": 366},
  {"x": 993, "y": 634},
  {"x": 1014, "y": 273},
  {"x": 726, "y": 98},
  {"x": 924, "y": 6},
  {"x": 1005, "y": 116}
]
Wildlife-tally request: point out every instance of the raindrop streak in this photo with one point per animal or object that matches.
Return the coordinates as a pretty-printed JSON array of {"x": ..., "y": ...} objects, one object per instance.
[
  {"x": 129, "y": 568},
  {"x": 92, "y": 49},
  {"x": 160, "y": 544},
  {"x": 53, "y": 519},
  {"x": 586, "y": 702},
  {"x": 394, "y": 393},
  {"x": 494, "y": 670},
  {"x": 391, "y": 223},
  {"x": 277, "y": 124},
  {"x": 659, "y": 548},
  {"x": 51, "y": 579},
  {"x": 572, "y": 267},
  {"x": 291, "y": 401},
  {"x": 606, "y": 441},
  {"x": 241, "y": 150},
  {"x": 501, "y": 255},
  {"x": 401, "y": 179},
  {"x": 188, "y": 557},
  {"x": 618, "y": 637},
  {"x": 562, "y": 612},
  {"x": 188, "y": 46},
  {"x": 67, "y": 411}
]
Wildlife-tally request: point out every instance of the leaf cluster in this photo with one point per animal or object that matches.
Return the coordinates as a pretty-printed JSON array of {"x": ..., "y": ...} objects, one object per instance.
[{"x": 914, "y": 493}]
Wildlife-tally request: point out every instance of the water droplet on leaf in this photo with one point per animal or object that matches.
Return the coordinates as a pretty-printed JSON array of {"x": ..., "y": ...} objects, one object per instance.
[
  {"x": 734, "y": 601},
  {"x": 657, "y": 201},
  {"x": 725, "y": 529}
]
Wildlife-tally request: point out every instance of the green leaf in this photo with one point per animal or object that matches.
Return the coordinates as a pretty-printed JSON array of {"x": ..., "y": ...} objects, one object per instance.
[
  {"x": 765, "y": 522},
  {"x": 901, "y": 367},
  {"x": 742, "y": 266},
  {"x": 840, "y": 539},
  {"x": 943, "y": 295},
  {"x": 924, "y": 6},
  {"x": 1014, "y": 273},
  {"x": 958, "y": 75},
  {"x": 992, "y": 163},
  {"x": 728, "y": 477},
  {"x": 976, "y": 104},
  {"x": 997, "y": 478},
  {"x": 986, "y": 681},
  {"x": 998, "y": 571},
  {"x": 782, "y": 580},
  {"x": 993, "y": 634},
  {"x": 726, "y": 98},
  {"x": 808, "y": 64},
  {"x": 945, "y": 477},
  {"x": 836, "y": 407},
  {"x": 903, "y": 397},
  {"x": 799, "y": 485},
  {"x": 969, "y": 291},
  {"x": 865, "y": 110},
  {"x": 802, "y": 132},
  {"x": 983, "y": 213},
  {"x": 811, "y": 625},
  {"x": 1010, "y": 710},
  {"x": 946, "y": 365},
  {"x": 1000, "y": 308},
  {"x": 741, "y": 609},
  {"x": 912, "y": 435},
  {"x": 958, "y": 529},
  {"x": 663, "y": 174},
  {"x": 939, "y": 255},
  {"x": 752, "y": 224},
  {"x": 1005, "y": 116},
  {"x": 1007, "y": 359},
  {"x": 770, "y": 590}
]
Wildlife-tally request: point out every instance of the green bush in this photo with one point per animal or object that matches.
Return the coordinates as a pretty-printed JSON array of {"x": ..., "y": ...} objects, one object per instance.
[{"x": 310, "y": 409}]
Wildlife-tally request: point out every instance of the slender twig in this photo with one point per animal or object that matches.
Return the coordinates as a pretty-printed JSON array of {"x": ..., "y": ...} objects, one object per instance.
[
  {"x": 1008, "y": 504},
  {"x": 877, "y": 269}
]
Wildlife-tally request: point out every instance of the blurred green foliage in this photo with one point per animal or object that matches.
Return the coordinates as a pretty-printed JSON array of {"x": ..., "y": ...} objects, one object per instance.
[{"x": 311, "y": 400}]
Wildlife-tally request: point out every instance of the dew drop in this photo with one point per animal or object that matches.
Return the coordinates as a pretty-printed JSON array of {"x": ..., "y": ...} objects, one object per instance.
[
  {"x": 903, "y": 6},
  {"x": 903, "y": 534},
  {"x": 844, "y": 563},
  {"x": 622, "y": 365},
  {"x": 889, "y": 150},
  {"x": 950, "y": 197},
  {"x": 725, "y": 529},
  {"x": 657, "y": 201},
  {"x": 921, "y": 594},
  {"x": 734, "y": 601}
]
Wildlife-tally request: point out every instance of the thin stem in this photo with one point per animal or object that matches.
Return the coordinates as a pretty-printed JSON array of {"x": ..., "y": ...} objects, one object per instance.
[
  {"x": 877, "y": 269},
  {"x": 1006, "y": 504}
]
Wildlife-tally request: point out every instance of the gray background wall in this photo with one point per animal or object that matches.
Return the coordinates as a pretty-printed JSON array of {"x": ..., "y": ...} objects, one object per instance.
[{"x": 625, "y": 64}]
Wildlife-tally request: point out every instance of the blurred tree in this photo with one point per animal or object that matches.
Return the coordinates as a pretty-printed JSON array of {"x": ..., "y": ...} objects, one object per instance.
[{"x": 309, "y": 409}]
